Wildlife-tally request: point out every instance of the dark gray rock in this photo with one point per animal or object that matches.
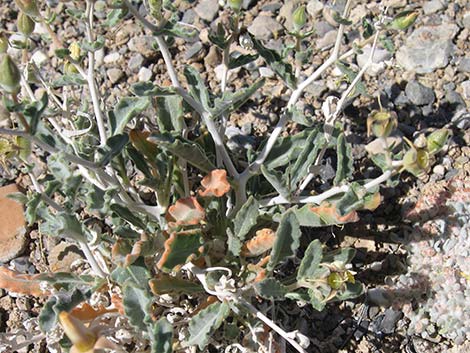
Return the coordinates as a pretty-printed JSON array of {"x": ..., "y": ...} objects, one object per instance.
[
  {"x": 263, "y": 27},
  {"x": 419, "y": 94},
  {"x": 189, "y": 16},
  {"x": 23, "y": 265},
  {"x": 271, "y": 7},
  {"x": 389, "y": 320}
]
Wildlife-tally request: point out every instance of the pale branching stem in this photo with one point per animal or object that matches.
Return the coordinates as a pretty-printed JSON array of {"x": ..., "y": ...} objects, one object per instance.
[
  {"x": 317, "y": 199},
  {"x": 330, "y": 120},
  {"x": 254, "y": 167},
  {"x": 206, "y": 116},
  {"x": 83, "y": 244},
  {"x": 91, "y": 75},
  {"x": 258, "y": 314}
]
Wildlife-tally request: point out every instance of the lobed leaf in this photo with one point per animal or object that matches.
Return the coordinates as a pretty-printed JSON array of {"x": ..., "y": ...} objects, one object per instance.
[
  {"x": 215, "y": 184},
  {"x": 270, "y": 289},
  {"x": 203, "y": 325},
  {"x": 260, "y": 243},
  {"x": 170, "y": 113},
  {"x": 311, "y": 260},
  {"x": 126, "y": 109},
  {"x": 278, "y": 180},
  {"x": 287, "y": 239},
  {"x": 178, "y": 248},
  {"x": 344, "y": 168},
  {"x": 186, "y": 211},
  {"x": 137, "y": 302},
  {"x": 165, "y": 284},
  {"x": 161, "y": 337},
  {"x": 16, "y": 282}
]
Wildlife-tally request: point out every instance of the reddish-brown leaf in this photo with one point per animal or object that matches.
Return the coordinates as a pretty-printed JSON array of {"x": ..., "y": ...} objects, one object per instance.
[
  {"x": 186, "y": 211},
  {"x": 329, "y": 213},
  {"x": 86, "y": 312},
  {"x": 20, "y": 283},
  {"x": 261, "y": 242},
  {"x": 215, "y": 184}
]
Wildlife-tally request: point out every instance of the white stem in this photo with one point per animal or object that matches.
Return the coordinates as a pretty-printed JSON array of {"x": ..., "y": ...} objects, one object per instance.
[
  {"x": 270, "y": 323},
  {"x": 317, "y": 199},
  {"x": 90, "y": 77}
]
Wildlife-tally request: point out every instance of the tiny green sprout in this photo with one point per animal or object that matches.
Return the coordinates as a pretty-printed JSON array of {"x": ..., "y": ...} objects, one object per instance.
[
  {"x": 3, "y": 43},
  {"x": 437, "y": 140},
  {"x": 10, "y": 75},
  {"x": 299, "y": 18},
  {"x": 29, "y": 7},
  {"x": 235, "y": 5},
  {"x": 382, "y": 123},
  {"x": 25, "y": 24},
  {"x": 404, "y": 20}
]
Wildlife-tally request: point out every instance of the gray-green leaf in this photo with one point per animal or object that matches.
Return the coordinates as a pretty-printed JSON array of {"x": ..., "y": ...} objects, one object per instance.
[{"x": 287, "y": 239}]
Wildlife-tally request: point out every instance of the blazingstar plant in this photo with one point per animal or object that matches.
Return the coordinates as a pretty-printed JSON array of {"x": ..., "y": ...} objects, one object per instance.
[{"x": 216, "y": 235}]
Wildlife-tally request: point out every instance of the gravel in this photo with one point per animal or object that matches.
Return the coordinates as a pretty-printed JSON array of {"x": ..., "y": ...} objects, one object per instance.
[{"x": 419, "y": 94}]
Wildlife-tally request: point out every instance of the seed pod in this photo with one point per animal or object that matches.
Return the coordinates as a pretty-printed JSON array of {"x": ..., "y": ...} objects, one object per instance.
[
  {"x": 70, "y": 69},
  {"x": 417, "y": 161},
  {"x": 437, "y": 140},
  {"x": 382, "y": 123},
  {"x": 299, "y": 18},
  {"x": 235, "y": 5},
  {"x": 3, "y": 43},
  {"x": 29, "y": 7},
  {"x": 25, "y": 24},
  {"x": 404, "y": 20},
  {"x": 10, "y": 75}
]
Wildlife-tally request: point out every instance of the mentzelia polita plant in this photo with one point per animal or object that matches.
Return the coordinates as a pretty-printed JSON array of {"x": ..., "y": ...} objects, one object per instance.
[{"x": 174, "y": 269}]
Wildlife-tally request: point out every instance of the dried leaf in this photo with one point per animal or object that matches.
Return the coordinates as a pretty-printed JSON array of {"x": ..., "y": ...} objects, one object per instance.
[
  {"x": 263, "y": 241},
  {"x": 20, "y": 283},
  {"x": 330, "y": 215},
  {"x": 215, "y": 184},
  {"x": 86, "y": 312},
  {"x": 186, "y": 211}
]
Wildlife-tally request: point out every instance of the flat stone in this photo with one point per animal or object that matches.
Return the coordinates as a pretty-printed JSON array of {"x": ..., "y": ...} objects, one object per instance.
[
  {"x": 271, "y": 7},
  {"x": 464, "y": 64},
  {"x": 286, "y": 12},
  {"x": 135, "y": 62},
  {"x": 39, "y": 58},
  {"x": 266, "y": 72},
  {"x": 427, "y": 48},
  {"x": 419, "y": 94},
  {"x": 12, "y": 225},
  {"x": 207, "y": 9},
  {"x": 378, "y": 65},
  {"x": 389, "y": 320},
  {"x": 189, "y": 16},
  {"x": 192, "y": 50},
  {"x": 430, "y": 7},
  {"x": 112, "y": 58},
  {"x": 145, "y": 74},
  {"x": 322, "y": 28},
  {"x": 63, "y": 255},
  {"x": 142, "y": 45},
  {"x": 114, "y": 75},
  {"x": 466, "y": 20},
  {"x": 314, "y": 7},
  {"x": 327, "y": 40},
  {"x": 465, "y": 89},
  {"x": 377, "y": 147},
  {"x": 263, "y": 27}
]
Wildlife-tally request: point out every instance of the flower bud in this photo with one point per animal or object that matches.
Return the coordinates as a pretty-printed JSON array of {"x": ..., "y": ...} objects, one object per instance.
[
  {"x": 75, "y": 51},
  {"x": 70, "y": 69},
  {"x": 381, "y": 124},
  {"x": 235, "y": 5},
  {"x": 25, "y": 24},
  {"x": 29, "y": 7},
  {"x": 81, "y": 336},
  {"x": 437, "y": 140},
  {"x": 299, "y": 18},
  {"x": 404, "y": 20},
  {"x": 417, "y": 161},
  {"x": 10, "y": 75},
  {"x": 3, "y": 43}
]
